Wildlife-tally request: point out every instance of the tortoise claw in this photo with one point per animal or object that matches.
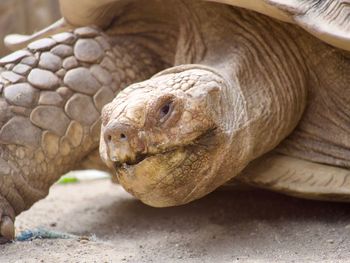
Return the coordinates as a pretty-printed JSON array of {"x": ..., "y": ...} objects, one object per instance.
[
  {"x": 7, "y": 228},
  {"x": 7, "y": 218}
]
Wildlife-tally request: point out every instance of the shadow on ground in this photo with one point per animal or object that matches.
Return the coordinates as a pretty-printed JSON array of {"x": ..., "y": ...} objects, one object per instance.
[{"x": 226, "y": 226}]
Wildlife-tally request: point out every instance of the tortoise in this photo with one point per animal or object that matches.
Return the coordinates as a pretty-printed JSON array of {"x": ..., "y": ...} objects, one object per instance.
[{"x": 180, "y": 97}]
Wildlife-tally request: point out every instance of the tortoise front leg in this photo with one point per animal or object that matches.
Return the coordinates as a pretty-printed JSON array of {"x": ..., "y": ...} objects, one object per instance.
[{"x": 51, "y": 97}]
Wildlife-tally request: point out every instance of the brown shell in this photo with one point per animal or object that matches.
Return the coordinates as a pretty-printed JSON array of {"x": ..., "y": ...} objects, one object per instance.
[{"x": 329, "y": 20}]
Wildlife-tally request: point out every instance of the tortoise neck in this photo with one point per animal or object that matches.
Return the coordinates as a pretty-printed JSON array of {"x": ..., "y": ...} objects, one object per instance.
[
  {"x": 264, "y": 68},
  {"x": 326, "y": 117}
]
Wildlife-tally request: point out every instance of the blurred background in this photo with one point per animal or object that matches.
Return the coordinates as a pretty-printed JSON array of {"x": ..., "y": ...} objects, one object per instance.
[{"x": 25, "y": 17}]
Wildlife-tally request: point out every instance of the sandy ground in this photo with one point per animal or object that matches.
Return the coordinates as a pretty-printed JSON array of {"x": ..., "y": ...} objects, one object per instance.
[{"x": 226, "y": 226}]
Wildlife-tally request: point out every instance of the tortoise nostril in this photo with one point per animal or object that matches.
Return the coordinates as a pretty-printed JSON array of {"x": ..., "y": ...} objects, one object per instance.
[
  {"x": 116, "y": 133},
  {"x": 122, "y": 136}
]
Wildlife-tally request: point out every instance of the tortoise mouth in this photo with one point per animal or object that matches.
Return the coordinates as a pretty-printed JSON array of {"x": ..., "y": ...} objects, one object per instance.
[
  {"x": 140, "y": 158},
  {"x": 201, "y": 140}
]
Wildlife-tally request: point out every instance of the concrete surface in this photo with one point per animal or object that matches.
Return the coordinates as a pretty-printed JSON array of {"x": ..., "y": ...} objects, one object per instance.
[{"x": 226, "y": 226}]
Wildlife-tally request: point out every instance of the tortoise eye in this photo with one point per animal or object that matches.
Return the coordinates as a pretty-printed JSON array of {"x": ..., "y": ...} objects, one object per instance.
[{"x": 165, "y": 110}]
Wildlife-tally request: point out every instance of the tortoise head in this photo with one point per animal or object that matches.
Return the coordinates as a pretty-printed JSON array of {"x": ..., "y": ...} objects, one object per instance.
[{"x": 165, "y": 136}]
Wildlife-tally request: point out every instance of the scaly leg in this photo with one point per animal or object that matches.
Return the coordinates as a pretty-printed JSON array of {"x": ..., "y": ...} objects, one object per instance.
[{"x": 51, "y": 97}]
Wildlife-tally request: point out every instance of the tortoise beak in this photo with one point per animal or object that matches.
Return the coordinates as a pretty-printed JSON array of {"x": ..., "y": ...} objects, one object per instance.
[{"x": 124, "y": 143}]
